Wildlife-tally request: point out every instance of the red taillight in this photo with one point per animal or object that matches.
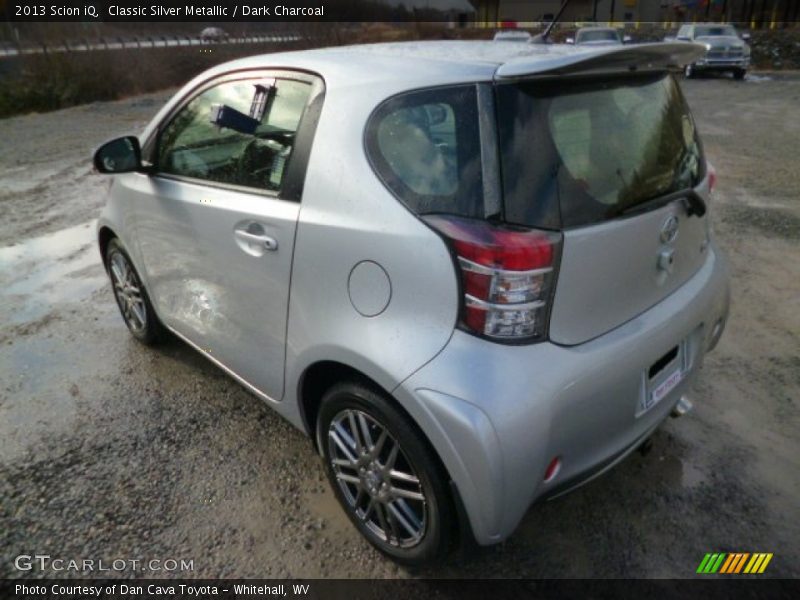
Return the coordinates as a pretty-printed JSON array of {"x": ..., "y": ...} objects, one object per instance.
[
  {"x": 507, "y": 276},
  {"x": 503, "y": 249},
  {"x": 712, "y": 177}
]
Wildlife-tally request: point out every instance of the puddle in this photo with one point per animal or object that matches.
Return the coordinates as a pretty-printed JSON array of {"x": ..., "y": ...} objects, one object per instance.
[
  {"x": 757, "y": 78},
  {"x": 677, "y": 473},
  {"x": 41, "y": 274}
]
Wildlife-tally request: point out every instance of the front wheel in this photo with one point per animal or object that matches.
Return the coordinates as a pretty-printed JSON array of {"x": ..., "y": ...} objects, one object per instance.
[
  {"x": 385, "y": 475},
  {"x": 739, "y": 74},
  {"x": 131, "y": 296}
]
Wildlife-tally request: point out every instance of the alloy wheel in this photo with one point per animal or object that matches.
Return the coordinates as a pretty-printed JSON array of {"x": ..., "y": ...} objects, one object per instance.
[
  {"x": 378, "y": 481},
  {"x": 128, "y": 291}
]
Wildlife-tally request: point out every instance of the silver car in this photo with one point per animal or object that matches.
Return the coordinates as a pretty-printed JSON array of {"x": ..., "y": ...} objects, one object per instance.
[
  {"x": 725, "y": 49},
  {"x": 475, "y": 282}
]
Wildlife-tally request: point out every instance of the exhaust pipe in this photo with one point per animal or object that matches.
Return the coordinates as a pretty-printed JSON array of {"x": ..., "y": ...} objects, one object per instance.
[{"x": 683, "y": 406}]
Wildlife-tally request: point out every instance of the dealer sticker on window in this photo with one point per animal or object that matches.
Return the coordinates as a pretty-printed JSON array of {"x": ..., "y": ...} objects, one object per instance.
[{"x": 661, "y": 390}]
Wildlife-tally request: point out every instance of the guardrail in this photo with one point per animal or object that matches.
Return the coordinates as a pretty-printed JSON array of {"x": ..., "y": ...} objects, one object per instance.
[{"x": 145, "y": 42}]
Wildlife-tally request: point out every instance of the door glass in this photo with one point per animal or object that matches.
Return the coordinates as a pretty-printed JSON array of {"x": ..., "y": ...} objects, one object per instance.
[{"x": 252, "y": 145}]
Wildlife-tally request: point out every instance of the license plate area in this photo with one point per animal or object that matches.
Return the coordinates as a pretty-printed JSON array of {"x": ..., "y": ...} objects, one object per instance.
[{"x": 662, "y": 377}]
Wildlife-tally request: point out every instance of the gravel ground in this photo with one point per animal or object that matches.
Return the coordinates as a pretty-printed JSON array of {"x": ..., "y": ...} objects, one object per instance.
[{"x": 112, "y": 450}]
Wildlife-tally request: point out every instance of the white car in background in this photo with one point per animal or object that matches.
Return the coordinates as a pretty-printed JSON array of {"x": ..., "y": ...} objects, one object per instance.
[
  {"x": 512, "y": 35},
  {"x": 213, "y": 34}
]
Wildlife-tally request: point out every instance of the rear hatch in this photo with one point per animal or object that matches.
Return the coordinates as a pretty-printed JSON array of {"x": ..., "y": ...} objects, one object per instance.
[
  {"x": 598, "y": 210},
  {"x": 613, "y": 162}
]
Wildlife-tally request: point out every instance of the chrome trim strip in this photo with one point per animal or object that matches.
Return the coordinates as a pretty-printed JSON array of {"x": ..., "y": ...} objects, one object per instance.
[
  {"x": 469, "y": 265},
  {"x": 473, "y": 301},
  {"x": 239, "y": 379}
]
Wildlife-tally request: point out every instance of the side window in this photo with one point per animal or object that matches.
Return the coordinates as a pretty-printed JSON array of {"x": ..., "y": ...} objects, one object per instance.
[
  {"x": 684, "y": 32},
  {"x": 425, "y": 146},
  {"x": 239, "y": 132}
]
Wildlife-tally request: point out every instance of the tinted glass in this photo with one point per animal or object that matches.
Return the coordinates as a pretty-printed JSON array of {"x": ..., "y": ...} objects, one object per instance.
[
  {"x": 591, "y": 150},
  {"x": 193, "y": 145},
  {"x": 425, "y": 146},
  {"x": 598, "y": 36},
  {"x": 712, "y": 31}
]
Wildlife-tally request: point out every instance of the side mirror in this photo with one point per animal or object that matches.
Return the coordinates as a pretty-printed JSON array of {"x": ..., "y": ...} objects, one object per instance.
[
  {"x": 626, "y": 39},
  {"x": 570, "y": 40},
  {"x": 745, "y": 36},
  {"x": 121, "y": 155}
]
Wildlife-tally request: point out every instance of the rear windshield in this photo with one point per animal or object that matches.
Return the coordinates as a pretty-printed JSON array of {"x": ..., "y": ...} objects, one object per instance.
[
  {"x": 572, "y": 152},
  {"x": 580, "y": 152},
  {"x": 600, "y": 35},
  {"x": 713, "y": 31}
]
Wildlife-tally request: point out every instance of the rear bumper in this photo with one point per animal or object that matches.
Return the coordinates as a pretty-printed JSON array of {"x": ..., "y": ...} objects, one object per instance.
[{"x": 498, "y": 414}]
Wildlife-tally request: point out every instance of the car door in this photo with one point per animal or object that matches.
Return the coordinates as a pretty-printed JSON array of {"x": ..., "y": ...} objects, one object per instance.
[{"x": 217, "y": 219}]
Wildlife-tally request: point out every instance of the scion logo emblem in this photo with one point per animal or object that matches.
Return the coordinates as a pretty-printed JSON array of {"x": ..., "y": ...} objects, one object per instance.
[{"x": 669, "y": 230}]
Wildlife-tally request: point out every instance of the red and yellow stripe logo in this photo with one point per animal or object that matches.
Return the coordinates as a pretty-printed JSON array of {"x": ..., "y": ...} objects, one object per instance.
[{"x": 734, "y": 563}]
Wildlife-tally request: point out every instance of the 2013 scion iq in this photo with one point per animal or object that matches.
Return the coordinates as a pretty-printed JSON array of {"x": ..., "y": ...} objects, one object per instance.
[{"x": 477, "y": 275}]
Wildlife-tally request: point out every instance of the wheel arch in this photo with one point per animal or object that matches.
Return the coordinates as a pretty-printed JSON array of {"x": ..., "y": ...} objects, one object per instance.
[
  {"x": 318, "y": 377},
  {"x": 104, "y": 236}
]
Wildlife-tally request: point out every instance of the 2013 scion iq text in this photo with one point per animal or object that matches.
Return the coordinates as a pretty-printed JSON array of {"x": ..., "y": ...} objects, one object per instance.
[{"x": 189, "y": 10}]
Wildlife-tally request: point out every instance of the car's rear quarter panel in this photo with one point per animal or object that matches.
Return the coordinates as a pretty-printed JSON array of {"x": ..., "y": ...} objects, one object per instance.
[{"x": 347, "y": 216}]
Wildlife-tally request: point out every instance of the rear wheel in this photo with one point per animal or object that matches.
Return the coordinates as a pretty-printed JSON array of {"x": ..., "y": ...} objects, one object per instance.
[
  {"x": 385, "y": 475},
  {"x": 131, "y": 296}
]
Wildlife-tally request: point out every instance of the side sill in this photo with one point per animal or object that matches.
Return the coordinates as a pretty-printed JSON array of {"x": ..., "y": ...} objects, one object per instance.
[{"x": 239, "y": 379}]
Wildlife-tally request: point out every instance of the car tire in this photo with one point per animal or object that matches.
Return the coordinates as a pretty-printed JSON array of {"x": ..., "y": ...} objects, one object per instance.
[
  {"x": 131, "y": 296},
  {"x": 688, "y": 71},
  {"x": 367, "y": 473},
  {"x": 739, "y": 74}
]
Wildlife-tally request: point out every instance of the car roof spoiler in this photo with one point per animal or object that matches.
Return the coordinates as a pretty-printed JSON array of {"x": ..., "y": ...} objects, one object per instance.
[{"x": 657, "y": 56}]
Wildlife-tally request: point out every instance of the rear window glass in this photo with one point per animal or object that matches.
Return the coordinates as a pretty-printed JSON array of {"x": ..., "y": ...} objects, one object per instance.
[
  {"x": 713, "y": 31},
  {"x": 601, "y": 35},
  {"x": 591, "y": 150},
  {"x": 425, "y": 146}
]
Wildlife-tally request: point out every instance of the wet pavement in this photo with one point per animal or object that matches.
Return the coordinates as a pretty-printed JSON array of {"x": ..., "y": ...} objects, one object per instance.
[{"x": 110, "y": 449}]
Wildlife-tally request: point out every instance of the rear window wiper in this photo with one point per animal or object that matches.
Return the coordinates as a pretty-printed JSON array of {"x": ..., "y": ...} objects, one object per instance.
[{"x": 695, "y": 205}]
